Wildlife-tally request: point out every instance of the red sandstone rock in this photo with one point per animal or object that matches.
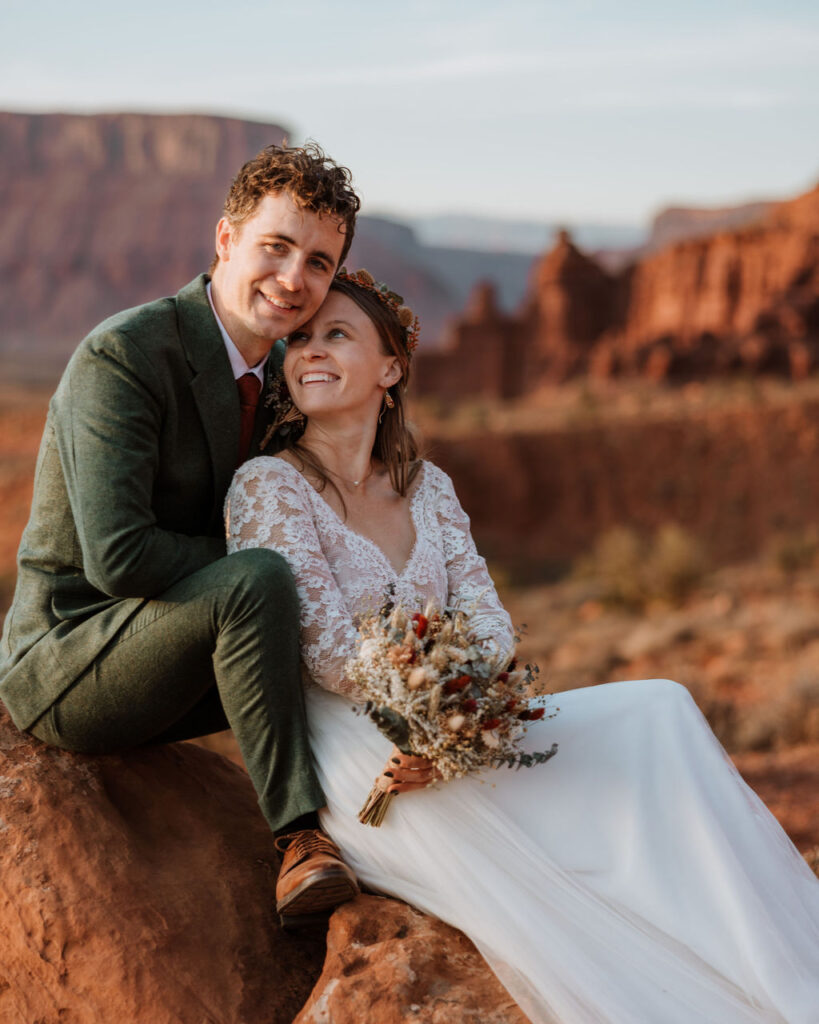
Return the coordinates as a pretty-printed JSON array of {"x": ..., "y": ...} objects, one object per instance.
[
  {"x": 138, "y": 888},
  {"x": 744, "y": 300},
  {"x": 388, "y": 964},
  {"x": 572, "y": 302},
  {"x": 102, "y": 212},
  {"x": 734, "y": 476},
  {"x": 480, "y": 354}
]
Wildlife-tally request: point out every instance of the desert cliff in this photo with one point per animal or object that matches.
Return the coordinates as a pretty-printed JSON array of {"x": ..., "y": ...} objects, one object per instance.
[
  {"x": 103, "y": 212},
  {"x": 743, "y": 300}
]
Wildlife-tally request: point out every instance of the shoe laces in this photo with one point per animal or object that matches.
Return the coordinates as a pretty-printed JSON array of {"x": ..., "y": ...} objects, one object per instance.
[{"x": 305, "y": 843}]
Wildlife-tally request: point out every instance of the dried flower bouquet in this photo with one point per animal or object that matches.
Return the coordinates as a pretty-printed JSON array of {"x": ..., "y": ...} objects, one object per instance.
[{"x": 435, "y": 692}]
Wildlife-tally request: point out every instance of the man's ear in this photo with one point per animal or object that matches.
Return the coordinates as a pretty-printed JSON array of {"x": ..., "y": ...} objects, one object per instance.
[{"x": 225, "y": 236}]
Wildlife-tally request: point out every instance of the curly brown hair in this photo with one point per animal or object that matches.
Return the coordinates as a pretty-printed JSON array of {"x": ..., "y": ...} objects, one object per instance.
[{"x": 307, "y": 175}]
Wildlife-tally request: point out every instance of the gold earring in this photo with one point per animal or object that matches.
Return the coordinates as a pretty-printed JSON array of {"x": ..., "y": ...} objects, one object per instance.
[{"x": 388, "y": 404}]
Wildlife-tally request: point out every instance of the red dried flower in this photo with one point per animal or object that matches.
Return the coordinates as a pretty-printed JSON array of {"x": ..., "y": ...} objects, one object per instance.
[
  {"x": 470, "y": 704},
  {"x": 456, "y": 685},
  {"x": 531, "y": 714},
  {"x": 491, "y": 723},
  {"x": 510, "y": 705},
  {"x": 503, "y": 677},
  {"x": 421, "y": 623}
]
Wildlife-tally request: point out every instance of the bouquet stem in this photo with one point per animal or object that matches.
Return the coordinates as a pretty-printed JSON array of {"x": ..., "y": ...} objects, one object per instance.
[{"x": 373, "y": 811}]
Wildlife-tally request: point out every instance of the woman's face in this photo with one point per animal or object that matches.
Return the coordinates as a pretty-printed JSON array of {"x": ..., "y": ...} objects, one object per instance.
[{"x": 335, "y": 364}]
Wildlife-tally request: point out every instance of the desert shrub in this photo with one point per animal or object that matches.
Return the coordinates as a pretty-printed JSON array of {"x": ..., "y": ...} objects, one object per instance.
[
  {"x": 775, "y": 724},
  {"x": 676, "y": 564},
  {"x": 478, "y": 414},
  {"x": 794, "y": 550},
  {"x": 631, "y": 570},
  {"x": 803, "y": 710},
  {"x": 615, "y": 565}
]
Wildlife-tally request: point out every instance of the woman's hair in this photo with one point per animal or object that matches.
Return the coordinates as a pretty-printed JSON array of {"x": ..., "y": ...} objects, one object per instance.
[{"x": 395, "y": 443}]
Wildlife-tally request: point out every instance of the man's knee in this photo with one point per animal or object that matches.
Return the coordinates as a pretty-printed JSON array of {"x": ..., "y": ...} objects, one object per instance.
[{"x": 261, "y": 575}]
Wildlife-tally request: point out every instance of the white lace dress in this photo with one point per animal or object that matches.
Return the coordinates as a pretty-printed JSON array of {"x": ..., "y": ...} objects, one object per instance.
[{"x": 633, "y": 879}]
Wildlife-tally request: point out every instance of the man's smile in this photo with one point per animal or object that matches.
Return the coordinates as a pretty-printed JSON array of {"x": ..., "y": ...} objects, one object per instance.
[{"x": 274, "y": 300}]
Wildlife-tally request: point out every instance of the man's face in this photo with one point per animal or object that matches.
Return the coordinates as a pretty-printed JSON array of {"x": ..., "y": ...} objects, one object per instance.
[{"x": 273, "y": 272}]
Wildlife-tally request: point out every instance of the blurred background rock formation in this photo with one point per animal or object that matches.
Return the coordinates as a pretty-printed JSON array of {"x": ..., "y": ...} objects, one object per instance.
[
  {"x": 102, "y": 212},
  {"x": 704, "y": 299}
]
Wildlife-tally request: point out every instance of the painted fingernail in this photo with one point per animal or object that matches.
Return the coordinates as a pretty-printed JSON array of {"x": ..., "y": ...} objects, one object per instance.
[
  {"x": 388, "y": 774},
  {"x": 396, "y": 760}
]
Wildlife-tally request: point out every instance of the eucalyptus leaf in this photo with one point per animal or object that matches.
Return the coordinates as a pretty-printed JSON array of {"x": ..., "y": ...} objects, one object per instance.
[{"x": 393, "y": 725}]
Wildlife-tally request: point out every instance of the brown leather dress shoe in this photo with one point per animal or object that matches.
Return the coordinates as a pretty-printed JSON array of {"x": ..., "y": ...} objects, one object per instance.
[{"x": 313, "y": 879}]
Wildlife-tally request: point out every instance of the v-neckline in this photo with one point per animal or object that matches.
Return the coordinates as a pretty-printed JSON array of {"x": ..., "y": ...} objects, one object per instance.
[{"x": 362, "y": 536}]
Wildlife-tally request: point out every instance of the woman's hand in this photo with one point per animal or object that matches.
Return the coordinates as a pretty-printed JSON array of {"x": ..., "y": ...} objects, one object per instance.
[{"x": 404, "y": 772}]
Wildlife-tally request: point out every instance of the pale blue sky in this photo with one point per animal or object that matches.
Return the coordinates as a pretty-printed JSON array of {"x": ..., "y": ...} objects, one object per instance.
[{"x": 555, "y": 110}]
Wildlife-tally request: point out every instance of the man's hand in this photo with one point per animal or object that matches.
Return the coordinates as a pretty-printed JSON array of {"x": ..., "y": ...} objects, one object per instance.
[{"x": 404, "y": 773}]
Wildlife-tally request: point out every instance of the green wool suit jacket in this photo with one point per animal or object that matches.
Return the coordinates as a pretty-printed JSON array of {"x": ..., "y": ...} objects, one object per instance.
[{"x": 138, "y": 451}]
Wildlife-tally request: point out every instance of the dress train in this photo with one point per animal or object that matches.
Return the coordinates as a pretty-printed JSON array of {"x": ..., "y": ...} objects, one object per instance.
[{"x": 633, "y": 878}]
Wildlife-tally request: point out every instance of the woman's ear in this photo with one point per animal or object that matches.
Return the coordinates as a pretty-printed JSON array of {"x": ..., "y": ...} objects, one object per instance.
[{"x": 392, "y": 373}]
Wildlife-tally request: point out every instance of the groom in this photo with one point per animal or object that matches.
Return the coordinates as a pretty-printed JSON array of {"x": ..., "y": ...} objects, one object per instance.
[{"x": 129, "y": 624}]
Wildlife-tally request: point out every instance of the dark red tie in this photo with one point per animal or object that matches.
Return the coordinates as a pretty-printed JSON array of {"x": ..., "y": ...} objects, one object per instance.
[{"x": 249, "y": 387}]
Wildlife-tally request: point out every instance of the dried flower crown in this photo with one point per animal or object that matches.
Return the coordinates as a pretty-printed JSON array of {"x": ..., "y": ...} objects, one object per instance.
[{"x": 405, "y": 316}]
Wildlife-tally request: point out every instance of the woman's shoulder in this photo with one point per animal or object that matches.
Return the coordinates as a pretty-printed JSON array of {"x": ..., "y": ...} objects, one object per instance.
[
  {"x": 435, "y": 478},
  {"x": 436, "y": 493},
  {"x": 272, "y": 470}
]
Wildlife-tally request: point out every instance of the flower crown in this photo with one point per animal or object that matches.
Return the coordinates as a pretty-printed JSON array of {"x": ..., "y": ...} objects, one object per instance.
[{"x": 405, "y": 316}]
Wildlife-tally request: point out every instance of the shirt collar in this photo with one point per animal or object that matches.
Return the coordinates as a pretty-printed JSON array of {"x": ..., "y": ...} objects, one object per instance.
[{"x": 237, "y": 360}]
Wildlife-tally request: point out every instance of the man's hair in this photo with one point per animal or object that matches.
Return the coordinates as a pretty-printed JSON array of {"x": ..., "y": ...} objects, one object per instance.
[{"x": 307, "y": 175}]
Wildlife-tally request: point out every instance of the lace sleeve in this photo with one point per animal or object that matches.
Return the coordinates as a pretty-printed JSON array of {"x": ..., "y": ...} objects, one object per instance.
[
  {"x": 470, "y": 585},
  {"x": 267, "y": 507}
]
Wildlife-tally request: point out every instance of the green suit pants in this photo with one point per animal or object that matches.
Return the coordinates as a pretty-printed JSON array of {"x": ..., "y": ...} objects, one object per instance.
[{"x": 218, "y": 648}]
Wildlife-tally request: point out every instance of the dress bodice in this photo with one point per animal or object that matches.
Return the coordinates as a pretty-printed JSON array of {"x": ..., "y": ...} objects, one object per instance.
[{"x": 342, "y": 575}]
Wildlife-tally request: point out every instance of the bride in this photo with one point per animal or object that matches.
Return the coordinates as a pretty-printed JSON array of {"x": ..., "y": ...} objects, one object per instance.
[{"x": 635, "y": 878}]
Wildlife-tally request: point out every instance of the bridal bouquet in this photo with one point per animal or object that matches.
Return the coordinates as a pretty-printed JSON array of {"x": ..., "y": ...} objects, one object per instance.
[{"x": 433, "y": 691}]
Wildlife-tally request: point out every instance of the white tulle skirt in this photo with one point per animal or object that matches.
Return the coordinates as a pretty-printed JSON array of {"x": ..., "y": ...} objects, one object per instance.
[{"x": 633, "y": 879}]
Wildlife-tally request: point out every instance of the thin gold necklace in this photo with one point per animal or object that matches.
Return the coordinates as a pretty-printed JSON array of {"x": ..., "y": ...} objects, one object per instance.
[{"x": 353, "y": 483}]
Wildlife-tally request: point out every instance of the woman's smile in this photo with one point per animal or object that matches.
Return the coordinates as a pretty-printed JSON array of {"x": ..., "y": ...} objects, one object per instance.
[{"x": 336, "y": 364}]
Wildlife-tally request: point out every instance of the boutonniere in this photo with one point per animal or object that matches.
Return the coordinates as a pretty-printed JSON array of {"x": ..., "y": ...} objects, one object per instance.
[{"x": 286, "y": 418}]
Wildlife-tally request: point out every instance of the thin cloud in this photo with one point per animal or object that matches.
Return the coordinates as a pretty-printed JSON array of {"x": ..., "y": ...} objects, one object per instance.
[
  {"x": 680, "y": 99},
  {"x": 468, "y": 66}
]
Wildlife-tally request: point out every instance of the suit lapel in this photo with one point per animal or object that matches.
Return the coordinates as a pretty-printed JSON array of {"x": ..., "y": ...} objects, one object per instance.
[{"x": 213, "y": 386}]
